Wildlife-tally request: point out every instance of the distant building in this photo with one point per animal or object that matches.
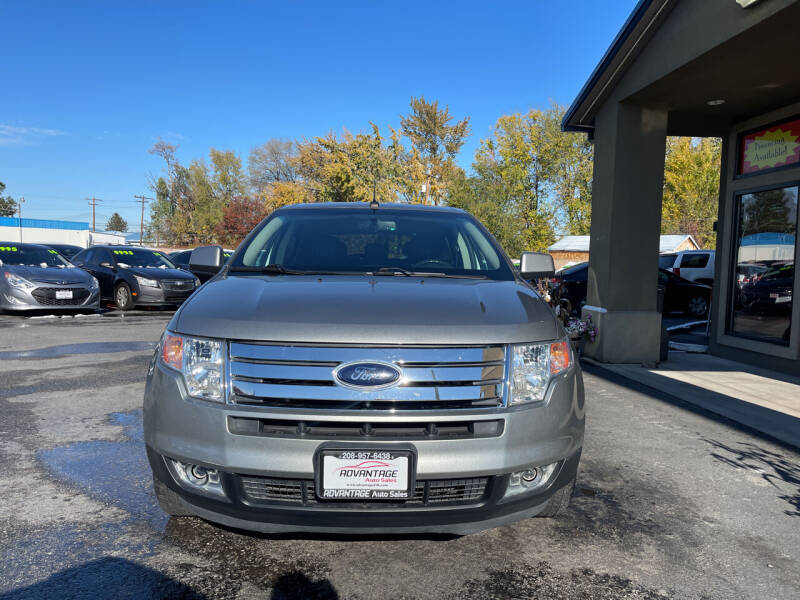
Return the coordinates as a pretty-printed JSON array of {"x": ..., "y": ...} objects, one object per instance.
[
  {"x": 573, "y": 249},
  {"x": 46, "y": 231}
]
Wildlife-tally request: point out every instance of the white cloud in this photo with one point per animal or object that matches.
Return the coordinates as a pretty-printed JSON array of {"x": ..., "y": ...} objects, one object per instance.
[{"x": 11, "y": 135}]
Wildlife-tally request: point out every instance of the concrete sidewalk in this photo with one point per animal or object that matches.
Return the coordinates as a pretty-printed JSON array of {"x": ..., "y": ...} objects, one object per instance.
[{"x": 765, "y": 400}]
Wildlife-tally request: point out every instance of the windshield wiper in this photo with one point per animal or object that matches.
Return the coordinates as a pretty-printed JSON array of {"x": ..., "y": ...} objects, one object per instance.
[
  {"x": 271, "y": 268},
  {"x": 391, "y": 271},
  {"x": 407, "y": 273}
]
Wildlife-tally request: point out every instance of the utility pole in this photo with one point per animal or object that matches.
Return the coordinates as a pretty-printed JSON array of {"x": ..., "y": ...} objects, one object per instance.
[
  {"x": 93, "y": 203},
  {"x": 19, "y": 208},
  {"x": 143, "y": 200}
]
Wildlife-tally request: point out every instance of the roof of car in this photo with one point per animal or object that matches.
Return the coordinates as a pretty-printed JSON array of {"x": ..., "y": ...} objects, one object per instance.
[
  {"x": 24, "y": 244},
  {"x": 369, "y": 206},
  {"x": 118, "y": 247}
]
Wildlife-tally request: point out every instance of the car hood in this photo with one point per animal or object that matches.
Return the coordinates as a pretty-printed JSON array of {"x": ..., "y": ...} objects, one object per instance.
[
  {"x": 156, "y": 273},
  {"x": 367, "y": 310},
  {"x": 51, "y": 275}
]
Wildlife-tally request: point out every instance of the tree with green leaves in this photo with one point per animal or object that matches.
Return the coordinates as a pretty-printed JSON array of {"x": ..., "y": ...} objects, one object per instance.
[
  {"x": 691, "y": 188},
  {"x": 356, "y": 168},
  {"x": 520, "y": 158},
  {"x": 531, "y": 181},
  {"x": 436, "y": 140},
  {"x": 116, "y": 223},
  {"x": 8, "y": 206},
  {"x": 190, "y": 200}
]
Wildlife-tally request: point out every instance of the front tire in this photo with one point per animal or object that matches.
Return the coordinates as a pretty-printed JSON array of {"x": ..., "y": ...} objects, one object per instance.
[
  {"x": 123, "y": 297},
  {"x": 558, "y": 502},
  {"x": 697, "y": 307},
  {"x": 169, "y": 501}
]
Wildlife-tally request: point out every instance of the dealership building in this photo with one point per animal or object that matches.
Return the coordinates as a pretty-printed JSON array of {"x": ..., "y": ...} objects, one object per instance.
[
  {"x": 705, "y": 68},
  {"x": 46, "y": 231}
]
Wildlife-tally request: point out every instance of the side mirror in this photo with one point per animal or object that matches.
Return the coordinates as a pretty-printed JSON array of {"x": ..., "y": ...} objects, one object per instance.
[
  {"x": 534, "y": 265},
  {"x": 206, "y": 259}
]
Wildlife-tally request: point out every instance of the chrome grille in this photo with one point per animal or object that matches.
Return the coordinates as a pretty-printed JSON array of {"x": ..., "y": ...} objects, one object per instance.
[
  {"x": 177, "y": 285},
  {"x": 302, "y": 377}
]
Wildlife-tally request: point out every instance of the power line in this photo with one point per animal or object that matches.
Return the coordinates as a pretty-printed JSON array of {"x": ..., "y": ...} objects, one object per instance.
[
  {"x": 143, "y": 200},
  {"x": 93, "y": 202}
]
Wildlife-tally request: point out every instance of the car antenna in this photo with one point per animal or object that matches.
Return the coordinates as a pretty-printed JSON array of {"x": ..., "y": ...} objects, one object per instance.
[{"x": 374, "y": 205}]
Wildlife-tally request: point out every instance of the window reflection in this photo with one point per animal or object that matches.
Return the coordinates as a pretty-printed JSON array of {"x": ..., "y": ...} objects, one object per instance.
[{"x": 766, "y": 229}]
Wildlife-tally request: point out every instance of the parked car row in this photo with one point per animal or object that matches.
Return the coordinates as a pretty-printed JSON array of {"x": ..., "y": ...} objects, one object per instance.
[
  {"x": 37, "y": 276},
  {"x": 680, "y": 295},
  {"x": 765, "y": 286}
]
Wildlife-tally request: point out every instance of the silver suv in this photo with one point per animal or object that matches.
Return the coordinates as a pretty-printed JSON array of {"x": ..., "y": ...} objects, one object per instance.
[{"x": 365, "y": 368}]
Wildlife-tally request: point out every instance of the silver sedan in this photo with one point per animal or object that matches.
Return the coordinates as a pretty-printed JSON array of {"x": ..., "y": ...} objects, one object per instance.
[{"x": 34, "y": 277}]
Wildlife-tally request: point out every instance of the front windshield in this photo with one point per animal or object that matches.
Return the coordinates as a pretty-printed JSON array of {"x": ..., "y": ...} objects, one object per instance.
[
  {"x": 142, "y": 258},
  {"x": 32, "y": 256},
  {"x": 384, "y": 241}
]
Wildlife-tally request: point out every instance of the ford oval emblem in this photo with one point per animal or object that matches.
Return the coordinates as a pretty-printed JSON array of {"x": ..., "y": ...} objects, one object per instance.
[{"x": 367, "y": 375}]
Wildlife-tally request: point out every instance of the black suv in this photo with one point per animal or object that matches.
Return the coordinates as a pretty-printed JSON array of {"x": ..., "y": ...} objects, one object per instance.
[{"x": 132, "y": 276}]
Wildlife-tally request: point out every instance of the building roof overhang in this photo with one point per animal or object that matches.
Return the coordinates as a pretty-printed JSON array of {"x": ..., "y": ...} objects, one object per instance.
[
  {"x": 705, "y": 84},
  {"x": 620, "y": 53}
]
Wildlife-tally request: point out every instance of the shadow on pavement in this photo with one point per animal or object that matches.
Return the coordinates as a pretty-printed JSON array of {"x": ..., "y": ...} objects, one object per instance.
[
  {"x": 296, "y": 585},
  {"x": 109, "y": 577},
  {"x": 771, "y": 466}
]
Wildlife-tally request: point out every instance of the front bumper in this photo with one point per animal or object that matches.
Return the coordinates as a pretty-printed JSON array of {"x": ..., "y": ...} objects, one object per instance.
[
  {"x": 199, "y": 432},
  {"x": 151, "y": 296},
  {"x": 15, "y": 299}
]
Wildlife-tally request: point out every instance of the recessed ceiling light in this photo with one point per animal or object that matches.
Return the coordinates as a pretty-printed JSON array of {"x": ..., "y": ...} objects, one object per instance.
[{"x": 715, "y": 102}]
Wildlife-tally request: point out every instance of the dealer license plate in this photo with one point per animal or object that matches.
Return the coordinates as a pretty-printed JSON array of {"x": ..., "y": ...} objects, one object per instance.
[
  {"x": 364, "y": 475},
  {"x": 63, "y": 294}
]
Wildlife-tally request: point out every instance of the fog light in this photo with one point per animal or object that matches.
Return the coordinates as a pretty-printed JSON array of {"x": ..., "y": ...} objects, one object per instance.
[
  {"x": 197, "y": 475},
  {"x": 531, "y": 479},
  {"x": 196, "y": 478},
  {"x": 14, "y": 300}
]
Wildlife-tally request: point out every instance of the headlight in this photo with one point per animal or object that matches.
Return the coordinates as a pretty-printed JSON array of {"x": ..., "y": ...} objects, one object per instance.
[
  {"x": 532, "y": 367},
  {"x": 146, "y": 282},
  {"x": 19, "y": 282},
  {"x": 200, "y": 361},
  {"x": 196, "y": 282},
  {"x": 95, "y": 283}
]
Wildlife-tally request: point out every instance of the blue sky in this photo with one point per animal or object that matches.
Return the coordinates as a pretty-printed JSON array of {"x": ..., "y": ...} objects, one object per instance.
[{"x": 88, "y": 87}]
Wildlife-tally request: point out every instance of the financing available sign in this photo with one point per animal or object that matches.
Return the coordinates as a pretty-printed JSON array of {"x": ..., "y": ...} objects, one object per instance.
[{"x": 771, "y": 148}]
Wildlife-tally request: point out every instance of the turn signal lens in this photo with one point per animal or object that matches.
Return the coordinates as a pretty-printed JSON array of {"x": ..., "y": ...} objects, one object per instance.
[
  {"x": 559, "y": 357},
  {"x": 172, "y": 351}
]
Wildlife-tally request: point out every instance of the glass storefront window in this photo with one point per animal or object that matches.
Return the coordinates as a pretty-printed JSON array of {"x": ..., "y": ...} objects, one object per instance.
[{"x": 763, "y": 278}]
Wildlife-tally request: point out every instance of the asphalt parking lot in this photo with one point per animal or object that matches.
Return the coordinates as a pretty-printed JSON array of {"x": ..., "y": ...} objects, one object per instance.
[{"x": 671, "y": 502}]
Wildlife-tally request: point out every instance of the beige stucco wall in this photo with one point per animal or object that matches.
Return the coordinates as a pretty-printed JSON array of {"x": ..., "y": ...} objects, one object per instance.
[{"x": 561, "y": 257}]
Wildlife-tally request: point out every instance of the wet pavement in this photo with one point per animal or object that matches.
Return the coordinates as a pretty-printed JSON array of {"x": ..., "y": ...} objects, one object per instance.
[{"x": 671, "y": 502}]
